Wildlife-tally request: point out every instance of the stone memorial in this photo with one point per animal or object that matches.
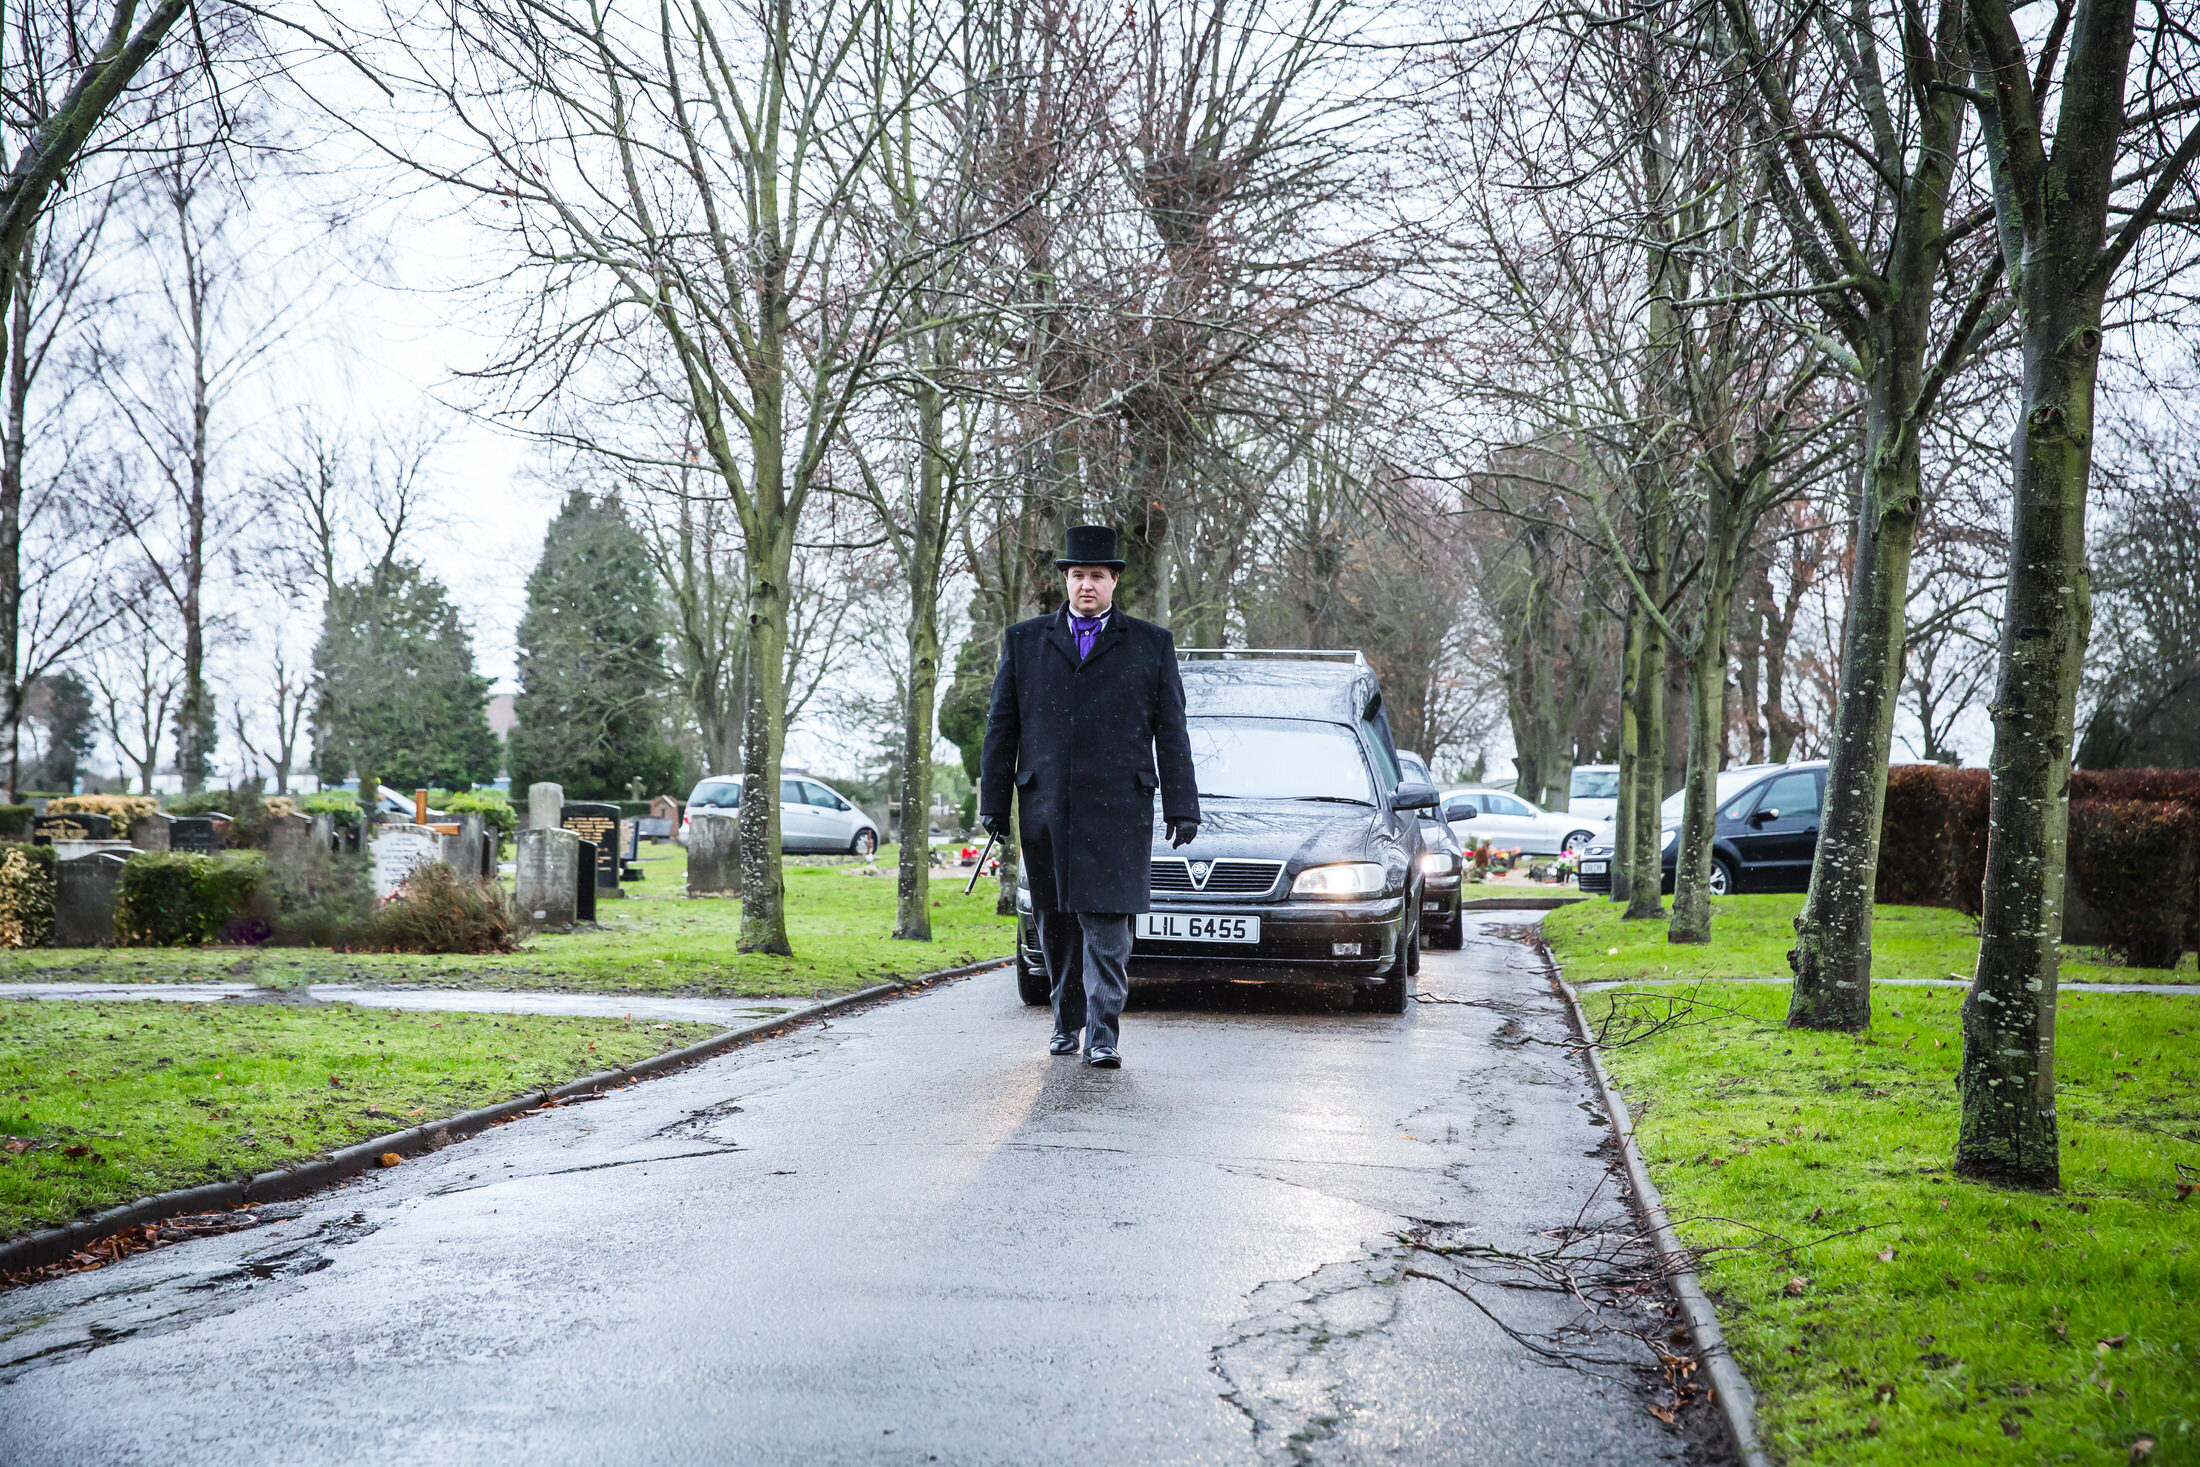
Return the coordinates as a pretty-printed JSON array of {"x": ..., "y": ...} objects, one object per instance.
[
  {"x": 84, "y": 899},
  {"x": 73, "y": 850},
  {"x": 150, "y": 832},
  {"x": 597, "y": 824},
  {"x": 464, "y": 851},
  {"x": 548, "y": 876},
  {"x": 324, "y": 831},
  {"x": 288, "y": 837},
  {"x": 714, "y": 854},
  {"x": 545, "y": 805},
  {"x": 193, "y": 835},
  {"x": 48, "y": 830},
  {"x": 397, "y": 850},
  {"x": 585, "y": 890}
]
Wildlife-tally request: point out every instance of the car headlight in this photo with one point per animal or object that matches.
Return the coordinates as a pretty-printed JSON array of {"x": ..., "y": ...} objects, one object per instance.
[
  {"x": 1438, "y": 863},
  {"x": 1023, "y": 898},
  {"x": 1351, "y": 878},
  {"x": 1671, "y": 835}
]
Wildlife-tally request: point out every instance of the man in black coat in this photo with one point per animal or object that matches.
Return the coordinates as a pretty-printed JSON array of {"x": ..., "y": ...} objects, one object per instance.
[{"x": 1087, "y": 720}]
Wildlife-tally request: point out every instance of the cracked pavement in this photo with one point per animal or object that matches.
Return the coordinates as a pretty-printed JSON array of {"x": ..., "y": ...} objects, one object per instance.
[{"x": 907, "y": 1234}]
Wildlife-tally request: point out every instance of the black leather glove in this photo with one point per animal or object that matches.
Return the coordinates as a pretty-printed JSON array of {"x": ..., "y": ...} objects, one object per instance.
[
  {"x": 1182, "y": 832},
  {"x": 995, "y": 826}
]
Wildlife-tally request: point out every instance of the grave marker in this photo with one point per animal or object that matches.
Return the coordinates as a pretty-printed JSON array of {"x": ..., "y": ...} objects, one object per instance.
[
  {"x": 714, "y": 854},
  {"x": 193, "y": 835},
  {"x": 545, "y": 805},
  {"x": 397, "y": 850},
  {"x": 548, "y": 876},
  {"x": 599, "y": 825},
  {"x": 150, "y": 832},
  {"x": 76, "y": 825},
  {"x": 84, "y": 900}
]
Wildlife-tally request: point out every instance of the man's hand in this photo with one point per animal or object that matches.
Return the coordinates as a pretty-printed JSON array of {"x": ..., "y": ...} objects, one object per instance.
[
  {"x": 995, "y": 826},
  {"x": 1182, "y": 833}
]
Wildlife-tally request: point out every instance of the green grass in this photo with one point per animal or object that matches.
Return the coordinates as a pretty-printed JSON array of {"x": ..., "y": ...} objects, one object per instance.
[
  {"x": 656, "y": 941},
  {"x": 1751, "y": 935},
  {"x": 172, "y": 1095}
]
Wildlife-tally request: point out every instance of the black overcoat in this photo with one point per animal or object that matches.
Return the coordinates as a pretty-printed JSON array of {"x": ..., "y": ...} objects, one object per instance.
[{"x": 1083, "y": 745}]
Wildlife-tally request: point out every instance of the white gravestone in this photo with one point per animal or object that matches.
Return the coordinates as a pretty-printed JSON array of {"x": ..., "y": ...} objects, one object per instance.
[{"x": 397, "y": 850}]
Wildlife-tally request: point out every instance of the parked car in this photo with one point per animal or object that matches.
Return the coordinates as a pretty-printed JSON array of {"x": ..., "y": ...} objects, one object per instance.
[
  {"x": 1443, "y": 868},
  {"x": 1594, "y": 792},
  {"x": 1307, "y": 866},
  {"x": 1764, "y": 835},
  {"x": 1510, "y": 823},
  {"x": 813, "y": 816}
]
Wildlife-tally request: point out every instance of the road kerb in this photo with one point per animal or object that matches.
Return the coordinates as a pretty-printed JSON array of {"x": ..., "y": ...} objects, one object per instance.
[
  {"x": 1731, "y": 1391},
  {"x": 51, "y": 1245}
]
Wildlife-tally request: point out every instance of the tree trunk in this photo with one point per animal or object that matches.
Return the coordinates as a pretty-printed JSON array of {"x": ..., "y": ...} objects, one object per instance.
[
  {"x": 913, "y": 889},
  {"x": 770, "y": 565},
  {"x": 1707, "y": 715},
  {"x": 1645, "y": 878},
  {"x": 1630, "y": 765},
  {"x": 11, "y": 518}
]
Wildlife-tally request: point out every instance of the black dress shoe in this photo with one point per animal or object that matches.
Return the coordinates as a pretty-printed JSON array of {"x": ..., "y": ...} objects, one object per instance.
[
  {"x": 1104, "y": 1058},
  {"x": 1062, "y": 1044}
]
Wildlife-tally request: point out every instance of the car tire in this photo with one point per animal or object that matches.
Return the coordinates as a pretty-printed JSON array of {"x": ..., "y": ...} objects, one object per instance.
[
  {"x": 865, "y": 843},
  {"x": 1413, "y": 941},
  {"x": 1397, "y": 985},
  {"x": 1451, "y": 935},
  {"x": 1577, "y": 841},
  {"x": 1031, "y": 984},
  {"x": 1722, "y": 878}
]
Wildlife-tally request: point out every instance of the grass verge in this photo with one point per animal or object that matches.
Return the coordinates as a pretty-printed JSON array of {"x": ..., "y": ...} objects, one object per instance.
[
  {"x": 839, "y": 922},
  {"x": 151, "y": 1097},
  {"x": 1751, "y": 935},
  {"x": 1885, "y": 1310}
]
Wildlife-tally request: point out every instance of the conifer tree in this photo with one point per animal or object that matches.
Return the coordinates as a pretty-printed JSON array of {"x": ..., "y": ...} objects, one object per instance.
[{"x": 399, "y": 694}]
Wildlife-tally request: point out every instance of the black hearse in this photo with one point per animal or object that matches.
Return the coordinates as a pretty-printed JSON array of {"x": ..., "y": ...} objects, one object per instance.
[{"x": 1307, "y": 867}]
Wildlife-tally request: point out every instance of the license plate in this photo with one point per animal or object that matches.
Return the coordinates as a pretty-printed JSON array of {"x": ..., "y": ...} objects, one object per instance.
[
  {"x": 1197, "y": 927},
  {"x": 1595, "y": 866}
]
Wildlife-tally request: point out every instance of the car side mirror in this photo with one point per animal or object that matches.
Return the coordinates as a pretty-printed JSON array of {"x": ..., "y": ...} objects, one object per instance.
[
  {"x": 1467, "y": 814},
  {"x": 1415, "y": 797},
  {"x": 1764, "y": 817}
]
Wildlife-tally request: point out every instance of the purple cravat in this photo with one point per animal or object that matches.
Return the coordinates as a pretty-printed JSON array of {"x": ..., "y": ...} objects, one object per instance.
[{"x": 1086, "y": 628}]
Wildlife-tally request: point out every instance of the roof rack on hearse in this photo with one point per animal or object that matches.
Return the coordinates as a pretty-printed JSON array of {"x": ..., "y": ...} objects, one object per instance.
[{"x": 1354, "y": 655}]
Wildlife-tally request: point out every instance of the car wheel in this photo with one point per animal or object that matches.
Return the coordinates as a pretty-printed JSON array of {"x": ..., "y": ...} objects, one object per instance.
[
  {"x": 1031, "y": 984},
  {"x": 1413, "y": 941},
  {"x": 1579, "y": 840},
  {"x": 864, "y": 844},
  {"x": 1722, "y": 877},
  {"x": 1451, "y": 935},
  {"x": 1397, "y": 986}
]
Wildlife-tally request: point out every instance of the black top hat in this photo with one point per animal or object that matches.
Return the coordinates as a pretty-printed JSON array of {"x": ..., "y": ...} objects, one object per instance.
[{"x": 1089, "y": 545}]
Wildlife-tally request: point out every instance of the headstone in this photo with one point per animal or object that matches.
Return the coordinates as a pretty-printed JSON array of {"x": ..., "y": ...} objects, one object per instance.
[
  {"x": 599, "y": 825},
  {"x": 545, "y": 805},
  {"x": 585, "y": 889},
  {"x": 714, "y": 854},
  {"x": 397, "y": 850},
  {"x": 150, "y": 832},
  {"x": 548, "y": 876},
  {"x": 463, "y": 850},
  {"x": 76, "y": 825},
  {"x": 324, "y": 831},
  {"x": 193, "y": 835},
  {"x": 73, "y": 850},
  {"x": 664, "y": 807},
  {"x": 288, "y": 837},
  {"x": 84, "y": 900}
]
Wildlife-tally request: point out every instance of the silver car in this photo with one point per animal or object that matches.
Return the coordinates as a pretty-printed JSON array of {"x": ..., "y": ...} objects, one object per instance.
[
  {"x": 1508, "y": 822},
  {"x": 812, "y": 815}
]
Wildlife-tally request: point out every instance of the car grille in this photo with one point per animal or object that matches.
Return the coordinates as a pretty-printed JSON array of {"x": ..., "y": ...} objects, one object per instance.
[{"x": 1224, "y": 878}]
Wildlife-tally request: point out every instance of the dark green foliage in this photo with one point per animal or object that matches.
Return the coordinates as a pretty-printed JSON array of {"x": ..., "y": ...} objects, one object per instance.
[
  {"x": 591, "y": 660},
  {"x": 1914, "y": 836},
  {"x": 322, "y": 898},
  {"x": 245, "y": 806},
  {"x": 2132, "y": 861},
  {"x": 60, "y": 706},
  {"x": 963, "y": 710},
  {"x": 15, "y": 822},
  {"x": 176, "y": 900},
  {"x": 399, "y": 694},
  {"x": 494, "y": 809},
  {"x": 436, "y": 912}
]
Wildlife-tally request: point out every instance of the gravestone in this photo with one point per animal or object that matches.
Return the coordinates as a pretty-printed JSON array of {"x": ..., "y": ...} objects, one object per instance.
[
  {"x": 599, "y": 825},
  {"x": 193, "y": 835},
  {"x": 585, "y": 890},
  {"x": 545, "y": 805},
  {"x": 84, "y": 899},
  {"x": 71, "y": 850},
  {"x": 150, "y": 832},
  {"x": 548, "y": 875},
  {"x": 714, "y": 854},
  {"x": 324, "y": 831},
  {"x": 397, "y": 850},
  {"x": 288, "y": 837},
  {"x": 76, "y": 825},
  {"x": 463, "y": 851}
]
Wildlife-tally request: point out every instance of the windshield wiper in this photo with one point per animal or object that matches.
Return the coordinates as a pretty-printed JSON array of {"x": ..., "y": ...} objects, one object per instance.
[{"x": 1332, "y": 799}]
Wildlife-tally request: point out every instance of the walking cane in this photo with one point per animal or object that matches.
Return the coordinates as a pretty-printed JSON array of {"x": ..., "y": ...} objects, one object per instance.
[{"x": 973, "y": 886}]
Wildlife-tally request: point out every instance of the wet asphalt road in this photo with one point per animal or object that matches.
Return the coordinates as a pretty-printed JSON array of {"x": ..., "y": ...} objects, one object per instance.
[{"x": 908, "y": 1235}]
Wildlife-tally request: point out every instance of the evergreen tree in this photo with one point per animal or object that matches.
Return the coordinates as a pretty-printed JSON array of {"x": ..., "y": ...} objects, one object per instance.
[
  {"x": 591, "y": 660},
  {"x": 399, "y": 694}
]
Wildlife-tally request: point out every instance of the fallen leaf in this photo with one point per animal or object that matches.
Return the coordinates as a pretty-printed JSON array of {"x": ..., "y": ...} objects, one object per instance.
[
  {"x": 1871, "y": 1427},
  {"x": 1885, "y": 1393},
  {"x": 19, "y": 1144},
  {"x": 1817, "y": 1216},
  {"x": 2141, "y": 1448},
  {"x": 336, "y": 1082},
  {"x": 1797, "y": 1284},
  {"x": 2184, "y": 1190},
  {"x": 2114, "y": 1342},
  {"x": 1886, "y": 1254},
  {"x": 290, "y": 1140},
  {"x": 391, "y": 1158},
  {"x": 2010, "y": 1426},
  {"x": 591, "y": 1044}
]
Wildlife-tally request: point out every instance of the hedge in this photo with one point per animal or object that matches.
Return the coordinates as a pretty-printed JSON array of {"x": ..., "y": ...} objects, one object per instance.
[
  {"x": 123, "y": 810},
  {"x": 15, "y": 822},
  {"x": 173, "y": 899},
  {"x": 2133, "y": 861},
  {"x": 26, "y": 895}
]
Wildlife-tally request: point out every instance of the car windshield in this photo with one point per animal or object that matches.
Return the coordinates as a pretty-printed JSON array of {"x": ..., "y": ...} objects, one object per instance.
[
  {"x": 1596, "y": 784},
  {"x": 1731, "y": 783},
  {"x": 722, "y": 792},
  {"x": 1278, "y": 759}
]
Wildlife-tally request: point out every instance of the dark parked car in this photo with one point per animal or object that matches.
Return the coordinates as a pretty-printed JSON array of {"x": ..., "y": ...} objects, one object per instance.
[
  {"x": 1764, "y": 837},
  {"x": 1443, "y": 869},
  {"x": 1307, "y": 866}
]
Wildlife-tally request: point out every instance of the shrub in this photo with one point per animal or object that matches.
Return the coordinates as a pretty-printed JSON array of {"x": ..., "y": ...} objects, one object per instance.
[
  {"x": 2132, "y": 861},
  {"x": 122, "y": 810},
  {"x": 26, "y": 895},
  {"x": 330, "y": 802},
  {"x": 321, "y": 898},
  {"x": 435, "y": 912},
  {"x": 1970, "y": 809},
  {"x": 2136, "y": 784},
  {"x": 1915, "y": 848},
  {"x": 170, "y": 900},
  {"x": 494, "y": 809},
  {"x": 15, "y": 822}
]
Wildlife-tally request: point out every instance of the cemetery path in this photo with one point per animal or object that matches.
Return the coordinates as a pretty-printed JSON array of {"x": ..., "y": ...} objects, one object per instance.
[
  {"x": 906, "y": 1234},
  {"x": 725, "y": 1011}
]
